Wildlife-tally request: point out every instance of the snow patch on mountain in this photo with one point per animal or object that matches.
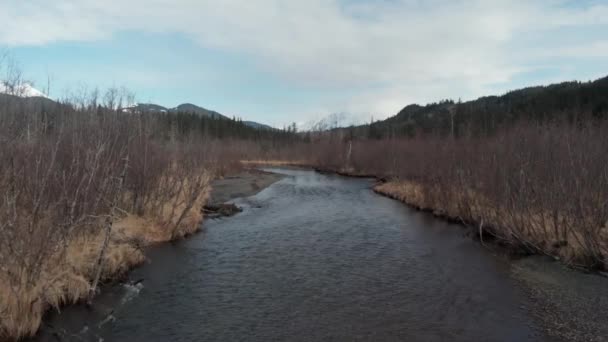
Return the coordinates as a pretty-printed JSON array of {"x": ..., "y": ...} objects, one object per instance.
[{"x": 24, "y": 89}]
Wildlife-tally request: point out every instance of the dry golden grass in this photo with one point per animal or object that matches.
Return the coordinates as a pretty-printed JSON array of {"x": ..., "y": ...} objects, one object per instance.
[
  {"x": 151, "y": 230},
  {"x": 65, "y": 280},
  {"x": 67, "y": 277},
  {"x": 528, "y": 227},
  {"x": 404, "y": 191}
]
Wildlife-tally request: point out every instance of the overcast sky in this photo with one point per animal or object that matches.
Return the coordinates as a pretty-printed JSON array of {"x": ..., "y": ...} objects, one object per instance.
[{"x": 278, "y": 61}]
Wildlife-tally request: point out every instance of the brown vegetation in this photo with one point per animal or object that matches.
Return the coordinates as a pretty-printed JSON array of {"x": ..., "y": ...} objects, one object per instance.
[
  {"x": 86, "y": 184},
  {"x": 539, "y": 188},
  {"x": 84, "y": 187}
]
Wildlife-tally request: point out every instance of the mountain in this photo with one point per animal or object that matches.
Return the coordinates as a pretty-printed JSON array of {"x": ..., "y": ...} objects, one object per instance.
[
  {"x": 191, "y": 108},
  {"x": 27, "y": 90},
  {"x": 24, "y": 89},
  {"x": 567, "y": 101},
  {"x": 188, "y": 108},
  {"x": 257, "y": 125},
  {"x": 31, "y": 103},
  {"x": 151, "y": 107}
]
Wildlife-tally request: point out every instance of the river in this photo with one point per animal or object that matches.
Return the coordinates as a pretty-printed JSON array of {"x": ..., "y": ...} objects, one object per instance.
[{"x": 314, "y": 258}]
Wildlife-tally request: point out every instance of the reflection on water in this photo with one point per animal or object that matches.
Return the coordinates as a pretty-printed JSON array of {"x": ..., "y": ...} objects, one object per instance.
[{"x": 315, "y": 258}]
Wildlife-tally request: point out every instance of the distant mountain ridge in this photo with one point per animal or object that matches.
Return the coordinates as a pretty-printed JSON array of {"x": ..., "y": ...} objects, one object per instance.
[
  {"x": 257, "y": 125},
  {"x": 566, "y": 101},
  {"x": 149, "y": 107},
  {"x": 27, "y": 90},
  {"x": 191, "y": 109}
]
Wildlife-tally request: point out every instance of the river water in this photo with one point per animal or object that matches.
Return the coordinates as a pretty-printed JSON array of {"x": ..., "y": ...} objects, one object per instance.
[{"x": 313, "y": 258}]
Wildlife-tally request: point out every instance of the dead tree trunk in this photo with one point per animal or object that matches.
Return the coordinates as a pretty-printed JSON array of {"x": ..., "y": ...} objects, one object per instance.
[
  {"x": 108, "y": 232},
  {"x": 349, "y": 153}
]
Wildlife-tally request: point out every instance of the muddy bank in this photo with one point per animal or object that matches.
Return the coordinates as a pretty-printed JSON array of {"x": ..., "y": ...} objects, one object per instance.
[{"x": 243, "y": 184}]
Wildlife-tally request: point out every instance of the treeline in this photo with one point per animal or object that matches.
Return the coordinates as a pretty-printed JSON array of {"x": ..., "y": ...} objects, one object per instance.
[{"x": 187, "y": 124}]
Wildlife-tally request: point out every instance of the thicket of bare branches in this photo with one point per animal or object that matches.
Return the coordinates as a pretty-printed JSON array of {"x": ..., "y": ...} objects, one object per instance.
[
  {"x": 68, "y": 173},
  {"x": 541, "y": 188}
]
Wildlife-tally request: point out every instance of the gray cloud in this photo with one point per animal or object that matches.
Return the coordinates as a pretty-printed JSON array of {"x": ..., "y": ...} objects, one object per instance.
[{"x": 398, "y": 51}]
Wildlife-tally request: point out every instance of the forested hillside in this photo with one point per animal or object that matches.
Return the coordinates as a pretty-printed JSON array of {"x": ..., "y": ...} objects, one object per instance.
[
  {"x": 571, "y": 102},
  {"x": 189, "y": 108}
]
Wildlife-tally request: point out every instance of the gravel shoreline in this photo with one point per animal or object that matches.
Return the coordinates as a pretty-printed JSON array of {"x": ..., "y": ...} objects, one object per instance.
[{"x": 570, "y": 305}]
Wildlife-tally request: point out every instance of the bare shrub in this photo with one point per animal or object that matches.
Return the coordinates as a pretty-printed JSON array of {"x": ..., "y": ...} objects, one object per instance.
[
  {"x": 540, "y": 188},
  {"x": 71, "y": 175}
]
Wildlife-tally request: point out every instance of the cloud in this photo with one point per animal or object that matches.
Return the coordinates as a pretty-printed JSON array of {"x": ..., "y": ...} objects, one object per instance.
[{"x": 388, "y": 51}]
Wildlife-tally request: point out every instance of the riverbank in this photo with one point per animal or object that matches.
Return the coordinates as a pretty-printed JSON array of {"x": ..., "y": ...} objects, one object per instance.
[
  {"x": 243, "y": 184},
  {"x": 70, "y": 281},
  {"x": 523, "y": 232},
  {"x": 570, "y": 304},
  {"x": 103, "y": 251}
]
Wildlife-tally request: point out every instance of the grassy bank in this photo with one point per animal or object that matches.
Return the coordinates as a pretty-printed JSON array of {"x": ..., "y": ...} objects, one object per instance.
[
  {"x": 79, "y": 261},
  {"x": 487, "y": 219}
]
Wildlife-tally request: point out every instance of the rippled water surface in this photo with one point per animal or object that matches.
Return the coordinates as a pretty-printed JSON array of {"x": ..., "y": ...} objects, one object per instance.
[{"x": 315, "y": 258}]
